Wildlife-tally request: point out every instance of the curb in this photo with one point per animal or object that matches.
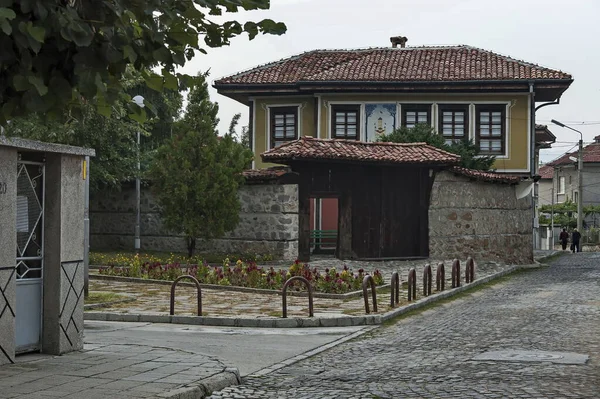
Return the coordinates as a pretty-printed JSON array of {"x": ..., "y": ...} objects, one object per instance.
[
  {"x": 228, "y": 377},
  {"x": 272, "y": 322}
]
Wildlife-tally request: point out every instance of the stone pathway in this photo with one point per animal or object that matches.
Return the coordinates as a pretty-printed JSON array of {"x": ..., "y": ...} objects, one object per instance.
[
  {"x": 433, "y": 354},
  {"x": 154, "y": 299},
  {"x": 113, "y": 372}
]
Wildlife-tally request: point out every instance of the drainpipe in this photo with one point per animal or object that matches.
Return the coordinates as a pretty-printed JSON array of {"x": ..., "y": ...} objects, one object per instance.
[{"x": 532, "y": 165}]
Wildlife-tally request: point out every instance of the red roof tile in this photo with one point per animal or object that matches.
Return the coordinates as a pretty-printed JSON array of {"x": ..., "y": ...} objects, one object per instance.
[
  {"x": 591, "y": 153},
  {"x": 410, "y": 64},
  {"x": 546, "y": 172},
  {"x": 265, "y": 174},
  {"x": 491, "y": 177},
  {"x": 309, "y": 148}
]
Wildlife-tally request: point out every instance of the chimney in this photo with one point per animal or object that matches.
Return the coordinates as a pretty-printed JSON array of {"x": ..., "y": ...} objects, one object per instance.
[
  {"x": 398, "y": 40},
  {"x": 597, "y": 139}
]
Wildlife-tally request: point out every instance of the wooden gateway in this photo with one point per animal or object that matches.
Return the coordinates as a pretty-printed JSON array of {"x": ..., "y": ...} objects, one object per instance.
[{"x": 383, "y": 192}]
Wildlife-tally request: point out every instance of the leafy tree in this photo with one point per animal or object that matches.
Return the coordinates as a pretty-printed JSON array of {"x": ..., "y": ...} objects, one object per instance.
[
  {"x": 196, "y": 174},
  {"x": 59, "y": 54},
  {"x": 424, "y": 133},
  {"x": 564, "y": 214},
  {"x": 114, "y": 140}
]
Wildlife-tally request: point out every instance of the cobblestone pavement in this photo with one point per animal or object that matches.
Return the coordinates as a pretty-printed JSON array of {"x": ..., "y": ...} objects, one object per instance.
[
  {"x": 155, "y": 299},
  {"x": 430, "y": 354}
]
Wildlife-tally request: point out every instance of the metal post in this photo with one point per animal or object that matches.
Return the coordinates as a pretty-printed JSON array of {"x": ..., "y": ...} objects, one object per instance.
[
  {"x": 138, "y": 198},
  {"x": 86, "y": 230},
  {"x": 580, "y": 188}
]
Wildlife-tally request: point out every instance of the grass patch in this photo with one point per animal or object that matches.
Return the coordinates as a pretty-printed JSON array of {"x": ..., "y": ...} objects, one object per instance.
[
  {"x": 103, "y": 297},
  {"x": 552, "y": 258}
]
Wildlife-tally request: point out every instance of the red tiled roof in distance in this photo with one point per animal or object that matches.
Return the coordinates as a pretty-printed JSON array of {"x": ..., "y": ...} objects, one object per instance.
[
  {"x": 491, "y": 177},
  {"x": 591, "y": 154},
  {"x": 410, "y": 64},
  {"x": 309, "y": 149},
  {"x": 546, "y": 172}
]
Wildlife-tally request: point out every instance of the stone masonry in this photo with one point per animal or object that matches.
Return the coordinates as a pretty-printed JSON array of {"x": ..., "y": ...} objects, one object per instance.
[
  {"x": 268, "y": 223},
  {"x": 479, "y": 219}
]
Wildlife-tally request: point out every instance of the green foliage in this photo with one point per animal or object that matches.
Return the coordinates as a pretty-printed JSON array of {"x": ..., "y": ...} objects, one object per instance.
[
  {"x": 59, "y": 54},
  {"x": 424, "y": 133},
  {"x": 114, "y": 140},
  {"x": 564, "y": 214},
  {"x": 196, "y": 175}
]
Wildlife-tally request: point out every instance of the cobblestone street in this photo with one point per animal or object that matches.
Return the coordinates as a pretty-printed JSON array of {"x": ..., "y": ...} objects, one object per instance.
[{"x": 430, "y": 354}]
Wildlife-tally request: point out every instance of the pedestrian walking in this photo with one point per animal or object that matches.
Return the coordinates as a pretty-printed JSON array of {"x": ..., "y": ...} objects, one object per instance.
[
  {"x": 564, "y": 238},
  {"x": 575, "y": 239}
]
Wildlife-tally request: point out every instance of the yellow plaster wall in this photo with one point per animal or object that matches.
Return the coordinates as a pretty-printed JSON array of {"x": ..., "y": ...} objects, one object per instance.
[
  {"x": 517, "y": 156},
  {"x": 305, "y": 114}
]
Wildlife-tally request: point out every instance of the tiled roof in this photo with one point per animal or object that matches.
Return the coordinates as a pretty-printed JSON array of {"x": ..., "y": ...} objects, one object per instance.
[
  {"x": 309, "y": 148},
  {"x": 410, "y": 64},
  {"x": 272, "y": 173},
  {"x": 491, "y": 177},
  {"x": 546, "y": 172},
  {"x": 591, "y": 153}
]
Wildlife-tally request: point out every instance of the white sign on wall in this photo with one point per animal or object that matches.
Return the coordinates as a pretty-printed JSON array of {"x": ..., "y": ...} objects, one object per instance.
[{"x": 380, "y": 119}]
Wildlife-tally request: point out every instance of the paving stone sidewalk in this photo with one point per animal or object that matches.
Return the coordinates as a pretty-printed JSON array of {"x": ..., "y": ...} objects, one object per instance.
[
  {"x": 115, "y": 371},
  {"x": 434, "y": 354}
]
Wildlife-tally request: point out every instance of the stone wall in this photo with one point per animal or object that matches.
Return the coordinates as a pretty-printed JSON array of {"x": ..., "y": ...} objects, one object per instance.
[
  {"x": 268, "y": 223},
  {"x": 479, "y": 219}
]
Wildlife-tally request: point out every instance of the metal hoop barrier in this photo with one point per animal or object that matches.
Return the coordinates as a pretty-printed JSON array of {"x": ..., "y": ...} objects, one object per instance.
[
  {"x": 470, "y": 270},
  {"x": 427, "y": 277},
  {"x": 440, "y": 278},
  {"x": 412, "y": 285},
  {"x": 369, "y": 280},
  {"x": 395, "y": 289},
  {"x": 172, "y": 312},
  {"x": 310, "y": 295},
  {"x": 456, "y": 273}
]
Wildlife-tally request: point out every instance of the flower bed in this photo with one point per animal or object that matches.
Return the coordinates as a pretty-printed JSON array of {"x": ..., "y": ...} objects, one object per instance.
[{"x": 248, "y": 274}]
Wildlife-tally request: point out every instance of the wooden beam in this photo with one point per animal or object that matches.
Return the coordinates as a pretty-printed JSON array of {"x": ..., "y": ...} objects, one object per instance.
[
  {"x": 304, "y": 216},
  {"x": 344, "y": 241}
]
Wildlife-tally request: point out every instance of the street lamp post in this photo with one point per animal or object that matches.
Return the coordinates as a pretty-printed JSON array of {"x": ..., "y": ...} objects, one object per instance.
[
  {"x": 139, "y": 100},
  {"x": 579, "y": 176}
]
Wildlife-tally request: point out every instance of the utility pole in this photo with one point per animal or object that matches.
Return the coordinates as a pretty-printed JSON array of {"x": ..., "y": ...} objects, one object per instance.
[
  {"x": 139, "y": 100},
  {"x": 579, "y": 176}
]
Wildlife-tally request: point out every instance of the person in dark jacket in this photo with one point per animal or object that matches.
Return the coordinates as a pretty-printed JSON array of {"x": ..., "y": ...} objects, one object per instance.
[
  {"x": 564, "y": 238},
  {"x": 575, "y": 238}
]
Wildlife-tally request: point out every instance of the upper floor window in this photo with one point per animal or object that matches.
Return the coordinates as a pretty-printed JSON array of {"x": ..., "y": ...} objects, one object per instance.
[
  {"x": 491, "y": 128},
  {"x": 454, "y": 122},
  {"x": 561, "y": 185},
  {"x": 284, "y": 125},
  {"x": 345, "y": 122},
  {"x": 415, "y": 113}
]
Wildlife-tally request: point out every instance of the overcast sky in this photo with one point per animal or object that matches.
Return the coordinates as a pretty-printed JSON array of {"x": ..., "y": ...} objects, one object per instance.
[{"x": 552, "y": 33}]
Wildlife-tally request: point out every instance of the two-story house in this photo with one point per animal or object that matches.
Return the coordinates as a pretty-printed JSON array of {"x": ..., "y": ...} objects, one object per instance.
[
  {"x": 461, "y": 91},
  {"x": 565, "y": 179}
]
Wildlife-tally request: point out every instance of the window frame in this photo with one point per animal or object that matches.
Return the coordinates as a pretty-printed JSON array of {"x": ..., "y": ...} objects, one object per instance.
[
  {"x": 558, "y": 189},
  {"x": 404, "y": 108},
  {"x": 454, "y": 107},
  {"x": 285, "y": 110},
  {"x": 335, "y": 108},
  {"x": 479, "y": 108}
]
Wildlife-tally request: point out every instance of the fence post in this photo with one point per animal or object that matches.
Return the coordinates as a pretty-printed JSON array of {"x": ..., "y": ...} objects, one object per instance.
[
  {"x": 310, "y": 295},
  {"x": 440, "y": 277},
  {"x": 395, "y": 289},
  {"x": 412, "y": 284},
  {"x": 456, "y": 273},
  {"x": 427, "y": 277},
  {"x": 470, "y": 270},
  {"x": 371, "y": 281}
]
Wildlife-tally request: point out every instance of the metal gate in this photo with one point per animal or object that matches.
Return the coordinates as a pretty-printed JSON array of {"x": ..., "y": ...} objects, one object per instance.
[{"x": 30, "y": 255}]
